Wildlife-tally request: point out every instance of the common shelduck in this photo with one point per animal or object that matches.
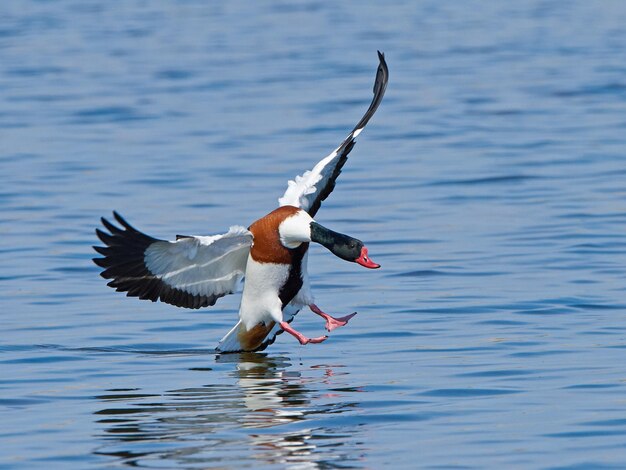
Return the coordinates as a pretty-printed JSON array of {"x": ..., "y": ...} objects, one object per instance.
[{"x": 194, "y": 271}]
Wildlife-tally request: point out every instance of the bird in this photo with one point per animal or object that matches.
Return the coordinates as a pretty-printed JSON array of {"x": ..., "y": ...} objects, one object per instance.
[{"x": 270, "y": 256}]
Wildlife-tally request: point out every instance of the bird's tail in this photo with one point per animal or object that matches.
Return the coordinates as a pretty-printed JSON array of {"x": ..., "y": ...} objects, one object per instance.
[
  {"x": 230, "y": 341},
  {"x": 238, "y": 339}
]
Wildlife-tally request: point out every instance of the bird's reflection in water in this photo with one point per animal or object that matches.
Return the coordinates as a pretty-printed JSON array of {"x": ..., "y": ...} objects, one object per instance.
[
  {"x": 270, "y": 394},
  {"x": 261, "y": 411}
]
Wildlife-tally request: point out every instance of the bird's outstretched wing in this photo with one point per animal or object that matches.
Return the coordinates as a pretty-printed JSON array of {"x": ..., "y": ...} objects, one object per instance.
[
  {"x": 309, "y": 190},
  {"x": 190, "y": 272}
]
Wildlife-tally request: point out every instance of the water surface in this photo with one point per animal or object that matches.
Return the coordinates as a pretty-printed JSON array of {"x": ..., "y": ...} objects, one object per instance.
[{"x": 489, "y": 185}]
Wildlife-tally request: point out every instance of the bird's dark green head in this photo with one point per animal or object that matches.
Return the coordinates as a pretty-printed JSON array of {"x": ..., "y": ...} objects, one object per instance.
[{"x": 343, "y": 246}]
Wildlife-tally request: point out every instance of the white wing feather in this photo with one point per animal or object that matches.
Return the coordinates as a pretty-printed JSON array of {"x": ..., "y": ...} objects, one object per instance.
[
  {"x": 208, "y": 266},
  {"x": 302, "y": 191}
]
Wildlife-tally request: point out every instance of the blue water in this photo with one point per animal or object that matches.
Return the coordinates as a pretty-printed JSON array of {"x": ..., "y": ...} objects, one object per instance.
[{"x": 490, "y": 185}]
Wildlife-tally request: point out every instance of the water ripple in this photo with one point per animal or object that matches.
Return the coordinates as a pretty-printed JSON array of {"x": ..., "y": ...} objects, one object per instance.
[{"x": 490, "y": 184}]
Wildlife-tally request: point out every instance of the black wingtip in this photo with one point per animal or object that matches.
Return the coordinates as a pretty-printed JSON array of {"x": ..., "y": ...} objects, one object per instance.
[
  {"x": 123, "y": 222},
  {"x": 100, "y": 249},
  {"x": 380, "y": 85},
  {"x": 107, "y": 239},
  {"x": 382, "y": 75},
  {"x": 102, "y": 262}
]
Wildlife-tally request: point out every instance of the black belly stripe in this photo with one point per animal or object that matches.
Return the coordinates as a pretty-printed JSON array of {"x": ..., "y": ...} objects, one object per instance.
[{"x": 294, "y": 280}]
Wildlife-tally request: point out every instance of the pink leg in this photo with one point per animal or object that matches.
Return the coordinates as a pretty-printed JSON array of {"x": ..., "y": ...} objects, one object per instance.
[
  {"x": 299, "y": 336},
  {"x": 331, "y": 323}
]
